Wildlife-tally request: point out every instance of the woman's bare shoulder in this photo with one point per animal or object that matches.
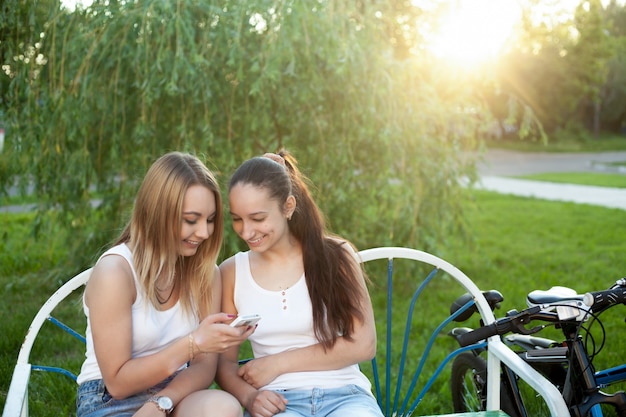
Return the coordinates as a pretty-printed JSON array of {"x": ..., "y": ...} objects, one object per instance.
[
  {"x": 111, "y": 275},
  {"x": 227, "y": 267}
]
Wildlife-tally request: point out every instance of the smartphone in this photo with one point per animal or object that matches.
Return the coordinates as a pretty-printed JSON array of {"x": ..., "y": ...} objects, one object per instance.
[{"x": 246, "y": 320}]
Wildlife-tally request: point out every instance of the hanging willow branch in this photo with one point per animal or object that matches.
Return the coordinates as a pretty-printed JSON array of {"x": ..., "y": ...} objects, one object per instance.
[{"x": 382, "y": 138}]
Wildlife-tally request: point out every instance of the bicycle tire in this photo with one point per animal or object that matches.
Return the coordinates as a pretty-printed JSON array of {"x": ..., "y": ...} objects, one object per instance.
[{"x": 468, "y": 385}]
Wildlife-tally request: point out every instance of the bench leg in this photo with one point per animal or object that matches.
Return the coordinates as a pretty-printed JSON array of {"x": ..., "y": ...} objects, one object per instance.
[{"x": 17, "y": 397}]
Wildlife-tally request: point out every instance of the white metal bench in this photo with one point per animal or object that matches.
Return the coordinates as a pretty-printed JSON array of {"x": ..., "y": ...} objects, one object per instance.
[
  {"x": 394, "y": 348},
  {"x": 17, "y": 397}
]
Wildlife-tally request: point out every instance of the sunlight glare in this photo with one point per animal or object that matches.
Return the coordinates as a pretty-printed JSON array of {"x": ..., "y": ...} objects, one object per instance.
[
  {"x": 72, "y": 4},
  {"x": 474, "y": 31}
]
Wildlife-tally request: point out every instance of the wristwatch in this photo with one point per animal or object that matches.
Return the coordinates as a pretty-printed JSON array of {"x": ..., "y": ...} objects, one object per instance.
[{"x": 163, "y": 403}]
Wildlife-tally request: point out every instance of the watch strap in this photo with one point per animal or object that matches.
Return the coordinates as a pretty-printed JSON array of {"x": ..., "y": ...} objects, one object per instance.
[{"x": 155, "y": 399}]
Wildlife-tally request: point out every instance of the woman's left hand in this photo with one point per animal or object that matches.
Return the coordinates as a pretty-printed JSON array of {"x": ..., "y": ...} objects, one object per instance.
[{"x": 258, "y": 372}]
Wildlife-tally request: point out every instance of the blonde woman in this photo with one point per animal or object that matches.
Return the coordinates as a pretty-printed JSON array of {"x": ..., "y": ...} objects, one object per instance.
[{"x": 154, "y": 327}]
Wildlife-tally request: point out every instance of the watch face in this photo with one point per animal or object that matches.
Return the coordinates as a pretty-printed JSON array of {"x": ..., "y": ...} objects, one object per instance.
[{"x": 165, "y": 403}]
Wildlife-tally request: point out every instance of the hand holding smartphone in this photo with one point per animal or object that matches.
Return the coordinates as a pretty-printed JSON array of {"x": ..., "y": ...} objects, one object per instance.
[{"x": 246, "y": 320}]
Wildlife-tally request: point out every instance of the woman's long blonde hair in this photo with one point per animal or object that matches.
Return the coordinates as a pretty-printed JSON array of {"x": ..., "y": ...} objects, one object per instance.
[{"x": 153, "y": 233}]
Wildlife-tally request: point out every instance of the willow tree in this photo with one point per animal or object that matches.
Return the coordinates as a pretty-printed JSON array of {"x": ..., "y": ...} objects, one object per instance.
[
  {"x": 591, "y": 57},
  {"x": 383, "y": 135},
  {"x": 614, "y": 91}
]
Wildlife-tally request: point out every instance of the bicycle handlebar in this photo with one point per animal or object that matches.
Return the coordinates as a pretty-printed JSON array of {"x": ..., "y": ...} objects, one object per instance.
[
  {"x": 514, "y": 322},
  {"x": 599, "y": 300},
  {"x": 481, "y": 333}
]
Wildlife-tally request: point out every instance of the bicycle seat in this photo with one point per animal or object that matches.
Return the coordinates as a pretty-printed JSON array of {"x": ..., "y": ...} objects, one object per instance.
[
  {"x": 493, "y": 297},
  {"x": 554, "y": 295}
]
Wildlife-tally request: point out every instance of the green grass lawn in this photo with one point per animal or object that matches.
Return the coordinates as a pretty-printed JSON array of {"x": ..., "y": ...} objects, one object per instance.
[
  {"x": 586, "y": 144},
  {"x": 582, "y": 178},
  {"x": 517, "y": 245}
]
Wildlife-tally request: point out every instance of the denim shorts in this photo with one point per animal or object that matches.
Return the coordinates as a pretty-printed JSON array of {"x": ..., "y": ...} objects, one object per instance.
[
  {"x": 93, "y": 400},
  {"x": 348, "y": 401}
]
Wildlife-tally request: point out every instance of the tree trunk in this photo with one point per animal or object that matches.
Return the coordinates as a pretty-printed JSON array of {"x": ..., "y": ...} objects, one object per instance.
[{"x": 596, "y": 118}]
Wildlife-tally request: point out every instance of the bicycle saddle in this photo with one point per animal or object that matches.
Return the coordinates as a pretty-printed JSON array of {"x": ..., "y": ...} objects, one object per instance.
[
  {"x": 553, "y": 295},
  {"x": 493, "y": 297}
]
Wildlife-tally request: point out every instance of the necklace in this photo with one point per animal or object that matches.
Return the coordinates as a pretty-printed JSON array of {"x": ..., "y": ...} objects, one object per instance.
[
  {"x": 168, "y": 297},
  {"x": 167, "y": 287},
  {"x": 171, "y": 285}
]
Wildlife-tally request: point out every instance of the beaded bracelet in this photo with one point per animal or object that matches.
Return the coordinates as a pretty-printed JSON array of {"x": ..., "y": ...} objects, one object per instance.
[{"x": 191, "y": 350}]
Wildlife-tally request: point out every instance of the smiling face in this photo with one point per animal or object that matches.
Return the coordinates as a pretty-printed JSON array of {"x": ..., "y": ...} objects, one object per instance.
[
  {"x": 198, "y": 218},
  {"x": 258, "y": 219}
]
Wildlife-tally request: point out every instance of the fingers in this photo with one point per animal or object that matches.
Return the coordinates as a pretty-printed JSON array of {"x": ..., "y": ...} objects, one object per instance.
[
  {"x": 247, "y": 331},
  {"x": 219, "y": 318},
  {"x": 257, "y": 372},
  {"x": 268, "y": 404},
  {"x": 214, "y": 336},
  {"x": 245, "y": 375},
  {"x": 242, "y": 371}
]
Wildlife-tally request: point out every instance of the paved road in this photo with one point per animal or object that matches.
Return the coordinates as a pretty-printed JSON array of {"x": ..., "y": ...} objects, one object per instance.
[
  {"x": 500, "y": 162},
  {"x": 499, "y": 165}
]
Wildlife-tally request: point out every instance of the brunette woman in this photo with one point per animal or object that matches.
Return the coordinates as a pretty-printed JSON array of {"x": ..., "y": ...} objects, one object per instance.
[{"x": 317, "y": 322}]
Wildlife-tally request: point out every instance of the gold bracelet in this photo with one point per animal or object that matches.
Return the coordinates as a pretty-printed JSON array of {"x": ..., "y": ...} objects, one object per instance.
[{"x": 191, "y": 343}]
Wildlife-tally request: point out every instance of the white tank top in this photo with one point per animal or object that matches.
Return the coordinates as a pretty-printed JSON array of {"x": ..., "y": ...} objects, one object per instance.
[
  {"x": 152, "y": 329},
  {"x": 286, "y": 323}
]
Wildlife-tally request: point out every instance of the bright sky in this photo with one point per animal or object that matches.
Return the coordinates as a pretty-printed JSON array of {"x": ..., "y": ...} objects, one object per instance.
[
  {"x": 71, "y": 4},
  {"x": 474, "y": 30}
]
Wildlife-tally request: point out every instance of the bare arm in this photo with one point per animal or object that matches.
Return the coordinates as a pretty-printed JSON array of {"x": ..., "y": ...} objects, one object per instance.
[
  {"x": 201, "y": 371},
  {"x": 258, "y": 403},
  {"x": 109, "y": 295}
]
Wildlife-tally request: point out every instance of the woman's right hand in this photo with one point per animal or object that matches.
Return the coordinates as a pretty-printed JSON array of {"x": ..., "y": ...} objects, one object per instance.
[
  {"x": 213, "y": 335},
  {"x": 266, "y": 404}
]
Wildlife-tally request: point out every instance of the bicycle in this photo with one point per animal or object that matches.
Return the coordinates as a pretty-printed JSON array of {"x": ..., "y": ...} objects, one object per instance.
[{"x": 567, "y": 364}]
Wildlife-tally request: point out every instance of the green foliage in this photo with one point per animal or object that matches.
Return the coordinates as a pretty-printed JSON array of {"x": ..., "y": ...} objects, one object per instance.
[
  {"x": 590, "y": 58},
  {"x": 566, "y": 70},
  {"x": 382, "y": 138},
  {"x": 592, "y": 50},
  {"x": 535, "y": 66},
  {"x": 614, "y": 91}
]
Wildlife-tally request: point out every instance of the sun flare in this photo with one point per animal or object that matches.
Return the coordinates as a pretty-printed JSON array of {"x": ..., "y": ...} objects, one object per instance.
[{"x": 474, "y": 31}]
